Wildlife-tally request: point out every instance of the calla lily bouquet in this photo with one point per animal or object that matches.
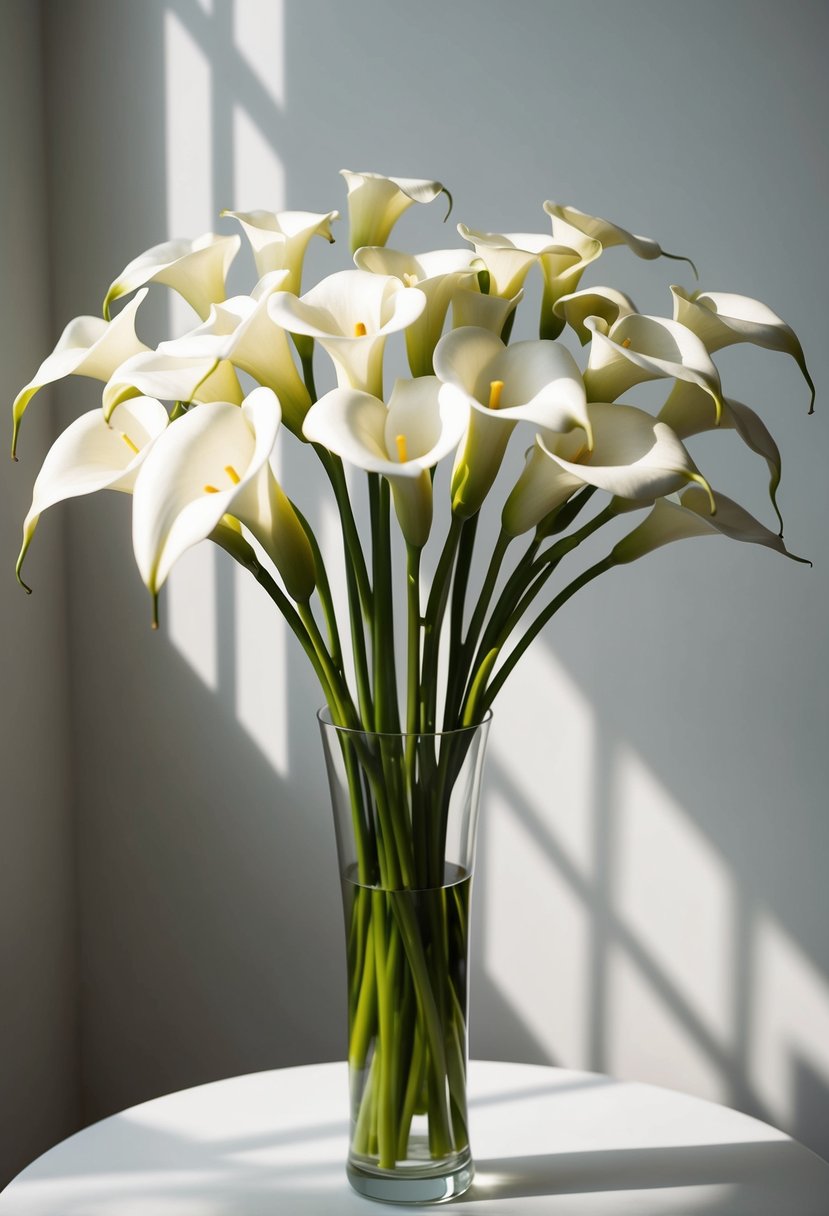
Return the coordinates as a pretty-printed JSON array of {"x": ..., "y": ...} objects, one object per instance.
[{"x": 176, "y": 429}]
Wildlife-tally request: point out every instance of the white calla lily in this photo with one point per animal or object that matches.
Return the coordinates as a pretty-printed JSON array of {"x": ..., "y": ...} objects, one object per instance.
[
  {"x": 375, "y": 203},
  {"x": 608, "y": 233},
  {"x": 537, "y": 382},
  {"x": 171, "y": 379},
  {"x": 92, "y": 455},
  {"x": 721, "y": 319},
  {"x": 240, "y": 331},
  {"x": 483, "y": 311},
  {"x": 402, "y": 442},
  {"x": 688, "y": 515},
  {"x": 604, "y": 302},
  {"x": 279, "y": 239},
  {"x": 636, "y": 348},
  {"x": 689, "y": 411},
  {"x": 633, "y": 456},
  {"x": 212, "y": 462},
  {"x": 350, "y": 314},
  {"x": 196, "y": 269},
  {"x": 88, "y": 346},
  {"x": 439, "y": 275}
]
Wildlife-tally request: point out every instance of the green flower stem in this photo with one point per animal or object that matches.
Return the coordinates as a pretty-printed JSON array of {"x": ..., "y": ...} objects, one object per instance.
[
  {"x": 414, "y": 1085},
  {"x": 413, "y": 658},
  {"x": 354, "y": 551},
  {"x": 386, "y": 1130},
  {"x": 324, "y": 592},
  {"x": 385, "y": 681},
  {"x": 456, "y": 674},
  {"x": 433, "y": 620},
  {"x": 306, "y": 358}
]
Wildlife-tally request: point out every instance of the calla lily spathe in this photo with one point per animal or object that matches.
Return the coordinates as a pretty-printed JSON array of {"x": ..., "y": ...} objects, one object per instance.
[
  {"x": 375, "y": 203},
  {"x": 240, "y": 331},
  {"x": 350, "y": 314},
  {"x": 633, "y": 456},
  {"x": 687, "y": 515},
  {"x": 439, "y": 275},
  {"x": 92, "y": 455},
  {"x": 536, "y": 382},
  {"x": 279, "y": 239},
  {"x": 472, "y": 307},
  {"x": 197, "y": 270},
  {"x": 402, "y": 442},
  {"x": 604, "y": 302},
  {"x": 88, "y": 346},
  {"x": 608, "y": 233},
  {"x": 721, "y": 319},
  {"x": 212, "y": 462},
  {"x": 171, "y": 379},
  {"x": 636, "y": 348}
]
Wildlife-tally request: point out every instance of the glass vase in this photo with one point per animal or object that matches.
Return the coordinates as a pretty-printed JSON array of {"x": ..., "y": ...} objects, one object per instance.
[{"x": 405, "y": 813}]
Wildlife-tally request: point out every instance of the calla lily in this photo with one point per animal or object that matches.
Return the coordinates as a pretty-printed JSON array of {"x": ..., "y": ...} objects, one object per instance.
[
  {"x": 240, "y": 331},
  {"x": 509, "y": 256},
  {"x": 401, "y": 442},
  {"x": 91, "y": 455},
  {"x": 721, "y": 319},
  {"x": 638, "y": 348},
  {"x": 171, "y": 379},
  {"x": 689, "y": 411},
  {"x": 375, "y": 203},
  {"x": 633, "y": 456},
  {"x": 279, "y": 239},
  {"x": 536, "y": 382},
  {"x": 609, "y": 234},
  {"x": 212, "y": 462},
  {"x": 195, "y": 269},
  {"x": 350, "y": 314},
  {"x": 439, "y": 275},
  {"x": 483, "y": 311},
  {"x": 604, "y": 302},
  {"x": 88, "y": 346},
  {"x": 689, "y": 515}
]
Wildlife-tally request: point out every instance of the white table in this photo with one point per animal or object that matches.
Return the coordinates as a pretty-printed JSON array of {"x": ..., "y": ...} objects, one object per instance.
[{"x": 545, "y": 1141}]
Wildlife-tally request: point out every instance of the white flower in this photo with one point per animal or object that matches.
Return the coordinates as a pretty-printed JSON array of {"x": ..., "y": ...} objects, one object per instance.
[
  {"x": 89, "y": 346},
  {"x": 636, "y": 348},
  {"x": 633, "y": 456},
  {"x": 212, "y": 462},
  {"x": 279, "y": 239},
  {"x": 401, "y": 442},
  {"x": 375, "y": 203},
  {"x": 171, "y": 379},
  {"x": 536, "y": 382},
  {"x": 439, "y": 275},
  {"x": 195, "y": 269},
  {"x": 473, "y": 307},
  {"x": 604, "y": 302},
  {"x": 350, "y": 314},
  {"x": 92, "y": 455},
  {"x": 607, "y": 233},
  {"x": 721, "y": 319}
]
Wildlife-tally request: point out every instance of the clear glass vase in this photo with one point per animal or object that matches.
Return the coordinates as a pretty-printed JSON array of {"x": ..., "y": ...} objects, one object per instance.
[{"x": 405, "y": 812}]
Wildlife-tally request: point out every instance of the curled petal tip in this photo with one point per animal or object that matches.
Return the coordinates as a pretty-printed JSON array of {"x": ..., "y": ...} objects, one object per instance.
[
  {"x": 451, "y": 204},
  {"x": 154, "y": 621},
  {"x": 680, "y": 257}
]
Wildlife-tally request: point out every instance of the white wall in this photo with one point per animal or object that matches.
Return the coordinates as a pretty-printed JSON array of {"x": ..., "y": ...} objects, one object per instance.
[
  {"x": 38, "y": 1022},
  {"x": 651, "y": 898}
]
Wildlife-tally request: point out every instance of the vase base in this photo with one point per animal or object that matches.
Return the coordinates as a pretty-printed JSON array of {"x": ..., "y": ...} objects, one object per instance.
[{"x": 412, "y": 1185}]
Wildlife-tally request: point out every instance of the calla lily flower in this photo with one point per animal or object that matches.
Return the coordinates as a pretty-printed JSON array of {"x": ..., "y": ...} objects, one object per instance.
[
  {"x": 483, "y": 311},
  {"x": 609, "y": 234},
  {"x": 279, "y": 239},
  {"x": 401, "y": 442},
  {"x": 375, "y": 203},
  {"x": 212, "y": 462},
  {"x": 604, "y": 302},
  {"x": 509, "y": 256},
  {"x": 689, "y": 411},
  {"x": 688, "y": 515},
  {"x": 240, "y": 331},
  {"x": 350, "y": 314},
  {"x": 91, "y": 455},
  {"x": 88, "y": 346},
  {"x": 171, "y": 379},
  {"x": 638, "y": 348},
  {"x": 439, "y": 275},
  {"x": 197, "y": 270},
  {"x": 633, "y": 456},
  {"x": 721, "y": 319},
  {"x": 536, "y": 382}
]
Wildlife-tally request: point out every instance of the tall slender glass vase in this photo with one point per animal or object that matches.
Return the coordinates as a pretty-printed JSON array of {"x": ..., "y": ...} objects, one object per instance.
[{"x": 405, "y": 812}]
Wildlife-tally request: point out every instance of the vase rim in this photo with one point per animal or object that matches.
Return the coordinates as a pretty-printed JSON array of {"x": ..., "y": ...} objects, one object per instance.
[{"x": 324, "y": 719}]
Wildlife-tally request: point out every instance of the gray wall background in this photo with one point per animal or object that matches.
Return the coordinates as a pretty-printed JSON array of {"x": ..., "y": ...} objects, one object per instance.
[{"x": 651, "y": 898}]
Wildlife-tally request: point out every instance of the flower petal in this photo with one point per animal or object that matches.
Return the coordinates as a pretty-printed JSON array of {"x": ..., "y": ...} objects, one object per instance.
[
  {"x": 196, "y": 269},
  {"x": 279, "y": 239},
  {"x": 170, "y": 379},
  {"x": 508, "y": 263},
  {"x": 376, "y": 202},
  {"x": 610, "y": 234},
  {"x": 604, "y": 302},
  {"x": 483, "y": 311}
]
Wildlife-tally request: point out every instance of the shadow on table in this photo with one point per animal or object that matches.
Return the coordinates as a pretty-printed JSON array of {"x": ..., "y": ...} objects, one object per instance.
[{"x": 761, "y": 1166}]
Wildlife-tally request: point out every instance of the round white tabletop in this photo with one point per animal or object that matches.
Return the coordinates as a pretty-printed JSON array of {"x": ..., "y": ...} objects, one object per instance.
[{"x": 545, "y": 1141}]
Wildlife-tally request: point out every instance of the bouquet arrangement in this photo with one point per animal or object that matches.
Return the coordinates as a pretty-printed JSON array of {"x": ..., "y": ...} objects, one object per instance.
[{"x": 176, "y": 429}]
